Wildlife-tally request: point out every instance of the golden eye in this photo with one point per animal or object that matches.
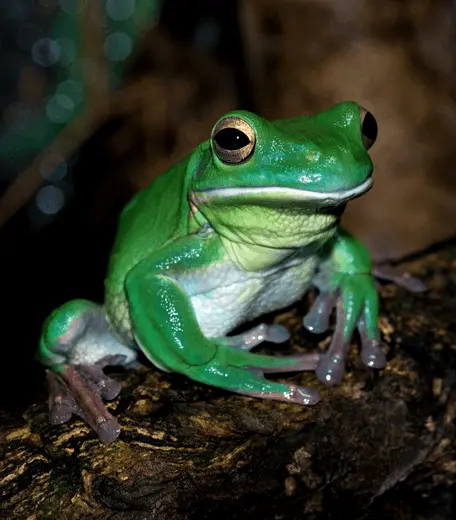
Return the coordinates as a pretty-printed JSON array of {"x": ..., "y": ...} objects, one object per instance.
[
  {"x": 369, "y": 128},
  {"x": 233, "y": 140}
]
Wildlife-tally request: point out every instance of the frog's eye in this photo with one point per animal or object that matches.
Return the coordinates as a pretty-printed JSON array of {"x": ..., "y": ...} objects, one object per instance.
[
  {"x": 368, "y": 128},
  {"x": 233, "y": 140}
]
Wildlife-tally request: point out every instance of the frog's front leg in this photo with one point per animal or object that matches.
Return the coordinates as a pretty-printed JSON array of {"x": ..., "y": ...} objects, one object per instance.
[
  {"x": 345, "y": 281},
  {"x": 76, "y": 344},
  {"x": 167, "y": 330}
]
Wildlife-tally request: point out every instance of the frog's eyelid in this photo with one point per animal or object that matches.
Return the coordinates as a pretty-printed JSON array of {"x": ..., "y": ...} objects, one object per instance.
[{"x": 289, "y": 194}]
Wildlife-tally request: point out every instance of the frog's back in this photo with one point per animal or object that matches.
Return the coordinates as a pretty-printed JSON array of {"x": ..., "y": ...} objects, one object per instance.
[{"x": 155, "y": 216}]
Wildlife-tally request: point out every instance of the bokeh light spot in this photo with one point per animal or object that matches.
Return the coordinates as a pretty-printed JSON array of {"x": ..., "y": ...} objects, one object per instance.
[
  {"x": 118, "y": 46},
  {"x": 46, "y": 52},
  {"x": 120, "y": 10},
  {"x": 72, "y": 89},
  {"x": 59, "y": 108},
  {"x": 53, "y": 167},
  {"x": 50, "y": 200}
]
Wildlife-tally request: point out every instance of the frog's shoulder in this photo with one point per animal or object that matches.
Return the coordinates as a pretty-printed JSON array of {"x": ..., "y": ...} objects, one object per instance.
[
  {"x": 159, "y": 211},
  {"x": 155, "y": 216}
]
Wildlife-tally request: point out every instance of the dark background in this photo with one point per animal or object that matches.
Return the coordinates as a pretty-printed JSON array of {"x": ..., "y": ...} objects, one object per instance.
[{"x": 198, "y": 60}]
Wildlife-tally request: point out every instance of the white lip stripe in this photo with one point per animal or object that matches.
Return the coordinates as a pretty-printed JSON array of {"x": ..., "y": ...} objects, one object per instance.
[{"x": 288, "y": 193}]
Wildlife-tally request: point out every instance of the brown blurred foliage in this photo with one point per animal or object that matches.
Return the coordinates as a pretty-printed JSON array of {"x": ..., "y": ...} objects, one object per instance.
[
  {"x": 170, "y": 101},
  {"x": 396, "y": 58}
]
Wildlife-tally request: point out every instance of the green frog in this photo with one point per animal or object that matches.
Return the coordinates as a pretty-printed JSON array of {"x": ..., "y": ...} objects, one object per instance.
[{"x": 244, "y": 225}]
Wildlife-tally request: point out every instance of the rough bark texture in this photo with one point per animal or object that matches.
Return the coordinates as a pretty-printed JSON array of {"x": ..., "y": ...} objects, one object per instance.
[{"x": 378, "y": 446}]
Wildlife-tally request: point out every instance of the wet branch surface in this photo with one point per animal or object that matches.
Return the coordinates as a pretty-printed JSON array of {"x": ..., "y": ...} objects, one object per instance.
[{"x": 380, "y": 445}]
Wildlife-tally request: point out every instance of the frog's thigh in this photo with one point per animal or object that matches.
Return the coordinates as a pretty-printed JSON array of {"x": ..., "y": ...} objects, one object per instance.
[{"x": 78, "y": 333}]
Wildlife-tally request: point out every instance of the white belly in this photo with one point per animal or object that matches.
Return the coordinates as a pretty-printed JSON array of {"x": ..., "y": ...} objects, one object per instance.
[{"x": 224, "y": 297}]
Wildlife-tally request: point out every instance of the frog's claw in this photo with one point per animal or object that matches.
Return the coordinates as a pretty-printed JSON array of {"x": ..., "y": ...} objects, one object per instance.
[
  {"x": 403, "y": 279},
  {"x": 79, "y": 389}
]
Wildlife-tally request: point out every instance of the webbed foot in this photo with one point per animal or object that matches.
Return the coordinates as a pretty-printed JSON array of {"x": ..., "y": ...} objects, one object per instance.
[
  {"x": 356, "y": 301},
  {"x": 80, "y": 390},
  {"x": 331, "y": 367}
]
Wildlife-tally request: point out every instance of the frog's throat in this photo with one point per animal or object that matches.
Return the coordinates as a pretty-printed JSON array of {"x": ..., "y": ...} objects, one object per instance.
[{"x": 281, "y": 194}]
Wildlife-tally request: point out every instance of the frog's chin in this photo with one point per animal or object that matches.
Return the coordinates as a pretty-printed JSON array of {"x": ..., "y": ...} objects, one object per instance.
[{"x": 281, "y": 195}]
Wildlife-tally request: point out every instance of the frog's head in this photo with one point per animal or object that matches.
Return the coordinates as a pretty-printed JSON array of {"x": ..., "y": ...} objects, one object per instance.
[{"x": 256, "y": 179}]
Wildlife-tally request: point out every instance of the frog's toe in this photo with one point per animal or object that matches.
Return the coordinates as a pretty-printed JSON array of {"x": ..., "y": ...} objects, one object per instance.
[
  {"x": 79, "y": 390},
  {"x": 317, "y": 319},
  {"x": 331, "y": 365},
  {"x": 395, "y": 275},
  {"x": 330, "y": 369},
  {"x": 253, "y": 337},
  {"x": 107, "y": 388},
  {"x": 371, "y": 351},
  {"x": 61, "y": 403},
  {"x": 372, "y": 355},
  {"x": 277, "y": 333},
  {"x": 302, "y": 395}
]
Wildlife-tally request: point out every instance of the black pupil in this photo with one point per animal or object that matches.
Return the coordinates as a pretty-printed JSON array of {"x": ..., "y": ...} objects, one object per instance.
[
  {"x": 369, "y": 127},
  {"x": 231, "y": 139}
]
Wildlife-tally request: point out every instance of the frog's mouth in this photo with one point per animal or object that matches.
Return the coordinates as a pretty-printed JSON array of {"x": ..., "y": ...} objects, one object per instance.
[{"x": 281, "y": 195}]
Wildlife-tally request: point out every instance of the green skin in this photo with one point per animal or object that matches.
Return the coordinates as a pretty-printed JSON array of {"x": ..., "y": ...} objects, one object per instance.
[{"x": 210, "y": 245}]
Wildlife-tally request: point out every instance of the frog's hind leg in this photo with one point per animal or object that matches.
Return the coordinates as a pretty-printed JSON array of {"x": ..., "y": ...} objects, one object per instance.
[
  {"x": 76, "y": 344},
  {"x": 248, "y": 340}
]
